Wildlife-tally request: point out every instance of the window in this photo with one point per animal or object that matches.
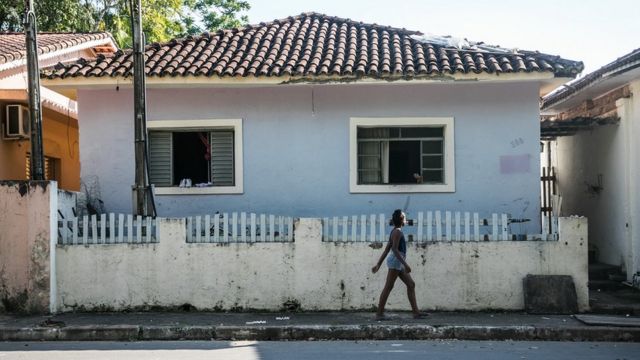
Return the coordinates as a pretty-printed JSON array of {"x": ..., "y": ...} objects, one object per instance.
[
  {"x": 51, "y": 168},
  {"x": 195, "y": 157},
  {"x": 402, "y": 155}
]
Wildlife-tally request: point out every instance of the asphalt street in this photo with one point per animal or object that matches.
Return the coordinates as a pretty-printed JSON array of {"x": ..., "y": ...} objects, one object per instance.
[{"x": 252, "y": 350}]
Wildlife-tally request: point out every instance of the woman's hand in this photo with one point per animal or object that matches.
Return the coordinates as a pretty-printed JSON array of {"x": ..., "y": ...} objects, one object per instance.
[
  {"x": 407, "y": 268},
  {"x": 375, "y": 269}
]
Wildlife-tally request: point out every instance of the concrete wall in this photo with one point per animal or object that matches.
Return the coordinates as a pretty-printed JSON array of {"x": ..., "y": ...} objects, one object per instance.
[
  {"x": 612, "y": 153},
  {"x": 316, "y": 275},
  {"x": 296, "y": 146},
  {"x": 28, "y": 227}
]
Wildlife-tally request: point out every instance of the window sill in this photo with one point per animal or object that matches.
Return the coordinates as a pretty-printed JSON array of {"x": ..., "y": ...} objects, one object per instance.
[
  {"x": 443, "y": 188},
  {"x": 198, "y": 191}
]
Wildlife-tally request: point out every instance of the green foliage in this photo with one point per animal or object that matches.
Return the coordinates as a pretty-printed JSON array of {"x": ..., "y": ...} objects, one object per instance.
[
  {"x": 10, "y": 15},
  {"x": 161, "y": 19},
  {"x": 216, "y": 14}
]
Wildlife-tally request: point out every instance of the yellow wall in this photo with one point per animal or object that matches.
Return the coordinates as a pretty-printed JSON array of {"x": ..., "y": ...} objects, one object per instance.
[{"x": 60, "y": 141}]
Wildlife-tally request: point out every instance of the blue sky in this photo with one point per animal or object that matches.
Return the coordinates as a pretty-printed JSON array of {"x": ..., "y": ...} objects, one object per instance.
[{"x": 595, "y": 32}]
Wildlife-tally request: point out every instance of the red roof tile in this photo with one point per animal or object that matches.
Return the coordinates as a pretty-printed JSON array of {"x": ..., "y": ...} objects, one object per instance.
[
  {"x": 13, "y": 47},
  {"x": 312, "y": 45}
]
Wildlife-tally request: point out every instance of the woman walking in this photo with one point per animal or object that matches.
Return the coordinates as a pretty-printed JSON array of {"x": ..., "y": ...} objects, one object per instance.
[{"x": 398, "y": 267}]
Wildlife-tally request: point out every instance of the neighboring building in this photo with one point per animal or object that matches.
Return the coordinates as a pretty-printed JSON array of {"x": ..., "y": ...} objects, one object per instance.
[
  {"x": 594, "y": 126},
  {"x": 319, "y": 116},
  {"x": 59, "y": 110}
]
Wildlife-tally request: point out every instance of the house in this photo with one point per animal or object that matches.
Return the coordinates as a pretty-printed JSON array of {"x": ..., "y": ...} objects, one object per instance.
[
  {"x": 59, "y": 115},
  {"x": 593, "y": 125},
  {"x": 315, "y": 116}
]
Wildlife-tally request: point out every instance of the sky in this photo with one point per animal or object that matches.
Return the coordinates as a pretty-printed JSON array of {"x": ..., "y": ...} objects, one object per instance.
[{"x": 595, "y": 32}]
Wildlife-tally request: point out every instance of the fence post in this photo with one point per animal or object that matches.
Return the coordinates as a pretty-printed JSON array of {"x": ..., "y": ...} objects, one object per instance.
[
  {"x": 243, "y": 226},
  {"x": 467, "y": 226},
  {"x": 476, "y": 226},
  {"x": 253, "y": 227},
  {"x": 420, "y": 223},
  {"x": 429, "y": 226},
  {"x": 494, "y": 224},
  {"x": 505, "y": 227},
  {"x": 438, "y": 226},
  {"x": 117, "y": 235},
  {"x": 103, "y": 228}
]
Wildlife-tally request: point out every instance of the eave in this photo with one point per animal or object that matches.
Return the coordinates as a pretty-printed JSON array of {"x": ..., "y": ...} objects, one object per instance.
[{"x": 546, "y": 79}]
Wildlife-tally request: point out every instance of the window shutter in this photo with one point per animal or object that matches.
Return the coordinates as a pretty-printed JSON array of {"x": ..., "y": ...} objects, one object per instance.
[
  {"x": 222, "y": 169},
  {"x": 160, "y": 146}
]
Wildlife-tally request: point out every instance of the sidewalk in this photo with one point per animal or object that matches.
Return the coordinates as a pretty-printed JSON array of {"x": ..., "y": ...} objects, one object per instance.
[{"x": 306, "y": 326}]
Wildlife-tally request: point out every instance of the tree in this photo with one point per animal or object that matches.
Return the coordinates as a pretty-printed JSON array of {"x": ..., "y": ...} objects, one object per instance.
[
  {"x": 53, "y": 15},
  {"x": 216, "y": 14},
  {"x": 10, "y": 17},
  {"x": 161, "y": 19}
]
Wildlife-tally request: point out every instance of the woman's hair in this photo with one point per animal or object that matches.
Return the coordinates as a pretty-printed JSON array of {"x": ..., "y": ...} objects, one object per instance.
[{"x": 396, "y": 218}]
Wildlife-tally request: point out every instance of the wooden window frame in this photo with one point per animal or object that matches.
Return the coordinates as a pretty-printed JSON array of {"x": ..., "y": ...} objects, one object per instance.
[
  {"x": 448, "y": 184},
  {"x": 206, "y": 125}
]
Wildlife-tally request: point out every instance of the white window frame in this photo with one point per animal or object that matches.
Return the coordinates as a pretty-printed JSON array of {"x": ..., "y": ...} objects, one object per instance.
[
  {"x": 449, "y": 184},
  {"x": 206, "y": 125}
]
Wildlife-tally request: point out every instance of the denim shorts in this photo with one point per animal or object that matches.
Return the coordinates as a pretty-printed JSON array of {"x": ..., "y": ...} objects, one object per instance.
[{"x": 394, "y": 263}]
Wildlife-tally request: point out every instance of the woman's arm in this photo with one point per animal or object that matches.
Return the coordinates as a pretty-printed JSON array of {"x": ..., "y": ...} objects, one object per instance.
[{"x": 382, "y": 257}]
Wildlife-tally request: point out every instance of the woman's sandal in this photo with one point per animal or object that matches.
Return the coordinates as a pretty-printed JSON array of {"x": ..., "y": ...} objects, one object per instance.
[{"x": 420, "y": 316}]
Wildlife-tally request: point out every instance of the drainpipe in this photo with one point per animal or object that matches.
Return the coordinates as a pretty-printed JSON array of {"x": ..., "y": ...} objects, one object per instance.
[{"x": 33, "y": 75}]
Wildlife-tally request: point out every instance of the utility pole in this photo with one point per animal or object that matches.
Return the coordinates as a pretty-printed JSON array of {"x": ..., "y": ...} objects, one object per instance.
[
  {"x": 33, "y": 75},
  {"x": 142, "y": 191}
]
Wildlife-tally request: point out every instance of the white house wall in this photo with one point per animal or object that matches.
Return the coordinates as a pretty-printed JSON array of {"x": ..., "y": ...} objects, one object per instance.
[
  {"x": 613, "y": 153},
  {"x": 296, "y": 145}
]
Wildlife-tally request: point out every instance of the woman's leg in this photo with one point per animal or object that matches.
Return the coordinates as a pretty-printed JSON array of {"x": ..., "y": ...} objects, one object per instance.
[
  {"x": 411, "y": 292},
  {"x": 392, "y": 275}
]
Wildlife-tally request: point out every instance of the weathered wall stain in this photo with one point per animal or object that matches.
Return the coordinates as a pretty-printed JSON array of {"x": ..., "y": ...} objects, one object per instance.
[
  {"x": 308, "y": 275},
  {"x": 24, "y": 245}
]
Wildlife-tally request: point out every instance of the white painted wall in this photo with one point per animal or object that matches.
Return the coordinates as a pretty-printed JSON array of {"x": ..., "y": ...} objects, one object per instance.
[
  {"x": 612, "y": 151},
  {"x": 320, "y": 276},
  {"x": 28, "y": 228},
  {"x": 296, "y": 145}
]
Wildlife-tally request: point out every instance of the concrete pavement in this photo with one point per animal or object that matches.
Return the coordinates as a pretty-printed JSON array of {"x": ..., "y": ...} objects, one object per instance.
[{"x": 305, "y": 326}]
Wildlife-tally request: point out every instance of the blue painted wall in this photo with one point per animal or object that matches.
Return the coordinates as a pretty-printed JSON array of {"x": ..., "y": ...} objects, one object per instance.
[{"x": 296, "y": 146}]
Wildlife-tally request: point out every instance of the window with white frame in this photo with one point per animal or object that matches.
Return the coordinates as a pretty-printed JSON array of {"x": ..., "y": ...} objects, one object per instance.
[
  {"x": 199, "y": 156},
  {"x": 402, "y": 155}
]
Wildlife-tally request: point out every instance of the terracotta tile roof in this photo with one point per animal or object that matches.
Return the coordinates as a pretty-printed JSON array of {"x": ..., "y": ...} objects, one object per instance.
[
  {"x": 621, "y": 65},
  {"x": 314, "y": 45},
  {"x": 13, "y": 47}
]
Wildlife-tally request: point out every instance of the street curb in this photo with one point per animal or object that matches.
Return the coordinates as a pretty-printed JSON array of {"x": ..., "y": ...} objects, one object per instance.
[{"x": 320, "y": 332}]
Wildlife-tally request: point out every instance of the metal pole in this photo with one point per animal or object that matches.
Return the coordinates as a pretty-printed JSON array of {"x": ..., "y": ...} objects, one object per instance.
[
  {"x": 33, "y": 75},
  {"x": 141, "y": 181}
]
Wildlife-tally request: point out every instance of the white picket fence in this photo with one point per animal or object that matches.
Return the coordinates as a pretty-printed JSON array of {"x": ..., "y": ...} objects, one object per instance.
[
  {"x": 430, "y": 226},
  {"x": 239, "y": 227},
  {"x": 107, "y": 229}
]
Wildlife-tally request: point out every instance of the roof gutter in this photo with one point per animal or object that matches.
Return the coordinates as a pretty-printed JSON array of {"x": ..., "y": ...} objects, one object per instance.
[{"x": 572, "y": 89}]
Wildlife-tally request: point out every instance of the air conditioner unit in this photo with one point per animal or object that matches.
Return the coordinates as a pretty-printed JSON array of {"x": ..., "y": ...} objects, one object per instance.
[{"x": 16, "y": 125}]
